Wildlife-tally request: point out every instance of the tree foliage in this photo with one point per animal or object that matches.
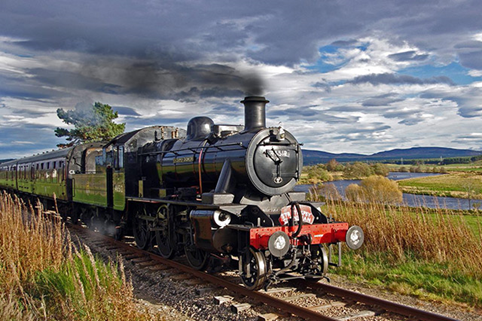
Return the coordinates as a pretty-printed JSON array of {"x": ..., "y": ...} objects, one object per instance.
[
  {"x": 316, "y": 174},
  {"x": 91, "y": 124},
  {"x": 334, "y": 166},
  {"x": 357, "y": 170}
]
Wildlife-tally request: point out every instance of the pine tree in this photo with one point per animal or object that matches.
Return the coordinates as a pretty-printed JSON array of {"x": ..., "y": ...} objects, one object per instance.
[{"x": 95, "y": 124}]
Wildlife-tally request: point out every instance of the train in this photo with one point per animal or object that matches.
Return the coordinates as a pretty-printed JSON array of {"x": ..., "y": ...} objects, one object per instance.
[{"x": 221, "y": 195}]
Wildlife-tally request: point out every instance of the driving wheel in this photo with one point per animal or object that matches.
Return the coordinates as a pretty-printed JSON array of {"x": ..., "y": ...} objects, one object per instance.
[
  {"x": 165, "y": 233},
  {"x": 254, "y": 273}
]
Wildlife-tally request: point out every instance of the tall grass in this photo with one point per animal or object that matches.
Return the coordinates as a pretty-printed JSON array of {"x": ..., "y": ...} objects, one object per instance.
[
  {"x": 43, "y": 275},
  {"x": 439, "y": 236}
]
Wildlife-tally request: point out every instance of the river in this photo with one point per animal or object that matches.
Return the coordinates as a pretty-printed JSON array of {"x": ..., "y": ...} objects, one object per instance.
[{"x": 412, "y": 200}]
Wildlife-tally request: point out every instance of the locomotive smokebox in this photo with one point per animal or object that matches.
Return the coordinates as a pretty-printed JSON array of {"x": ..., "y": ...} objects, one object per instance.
[{"x": 254, "y": 112}]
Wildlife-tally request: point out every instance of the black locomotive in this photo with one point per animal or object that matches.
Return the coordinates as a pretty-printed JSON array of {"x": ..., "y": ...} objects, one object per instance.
[{"x": 216, "y": 193}]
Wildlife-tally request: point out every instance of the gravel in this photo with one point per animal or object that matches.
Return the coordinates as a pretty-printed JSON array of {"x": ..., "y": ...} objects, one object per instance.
[{"x": 184, "y": 300}]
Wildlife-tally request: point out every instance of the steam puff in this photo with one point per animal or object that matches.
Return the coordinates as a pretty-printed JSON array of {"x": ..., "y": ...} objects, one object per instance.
[
  {"x": 170, "y": 80},
  {"x": 253, "y": 85}
]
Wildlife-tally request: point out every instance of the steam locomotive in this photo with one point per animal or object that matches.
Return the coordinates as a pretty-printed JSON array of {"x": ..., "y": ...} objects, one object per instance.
[{"x": 218, "y": 194}]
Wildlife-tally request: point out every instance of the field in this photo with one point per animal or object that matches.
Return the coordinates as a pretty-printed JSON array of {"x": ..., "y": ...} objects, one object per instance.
[
  {"x": 431, "y": 254},
  {"x": 454, "y": 184},
  {"x": 43, "y": 275}
]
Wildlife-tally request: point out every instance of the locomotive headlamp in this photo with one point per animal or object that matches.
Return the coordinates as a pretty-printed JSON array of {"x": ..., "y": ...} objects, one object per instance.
[
  {"x": 279, "y": 244},
  {"x": 354, "y": 237},
  {"x": 281, "y": 134}
]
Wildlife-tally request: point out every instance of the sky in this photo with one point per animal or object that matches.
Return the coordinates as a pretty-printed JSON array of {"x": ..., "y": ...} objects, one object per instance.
[{"x": 342, "y": 76}]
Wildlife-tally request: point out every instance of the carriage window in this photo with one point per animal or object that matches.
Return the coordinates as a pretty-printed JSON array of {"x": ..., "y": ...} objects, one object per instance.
[
  {"x": 119, "y": 157},
  {"x": 42, "y": 166},
  {"x": 48, "y": 165},
  {"x": 54, "y": 165}
]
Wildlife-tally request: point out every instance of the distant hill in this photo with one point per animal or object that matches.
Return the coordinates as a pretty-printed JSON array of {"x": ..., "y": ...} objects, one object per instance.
[
  {"x": 315, "y": 156},
  {"x": 5, "y": 160}
]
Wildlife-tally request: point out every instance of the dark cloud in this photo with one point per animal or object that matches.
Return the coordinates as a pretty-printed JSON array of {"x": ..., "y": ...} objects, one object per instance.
[
  {"x": 268, "y": 31},
  {"x": 323, "y": 85},
  {"x": 186, "y": 51},
  {"x": 16, "y": 87},
  {"x": 18, "y": 141},
  {"x": 307, "y": 113},
  {"x": 125, "y": 111},
  {"x": 382, "y": 100},
  {"x": 468, "y": 139},
  {"x": 120, "y": 76},
  {"x": 471, "y": 59},
  {"x": 471, "y": 111},
  {"x": 345, "y": 43},
  {"x": 72, "y": 80},
  {"x": 348, "y": 109},
  {"x": 394, "y": 79},
  {"x": 229, "y": 110},
  {"x": 468, "y": 102},
  {"x": 408, "y": 56}
]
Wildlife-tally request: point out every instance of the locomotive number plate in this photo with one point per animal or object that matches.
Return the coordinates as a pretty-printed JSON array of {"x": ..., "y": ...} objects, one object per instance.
[
  {"x": 306, "y": 215},
  {"x": 188, "y": 159}
]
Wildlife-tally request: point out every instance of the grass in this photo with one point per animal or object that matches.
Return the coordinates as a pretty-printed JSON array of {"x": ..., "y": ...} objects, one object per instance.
[
  {"x": 453, "y": 185},
  {"x": 431, "y": 254},
  {"x": 415, "y": 277},
  {"x": 43, "y": 275}
]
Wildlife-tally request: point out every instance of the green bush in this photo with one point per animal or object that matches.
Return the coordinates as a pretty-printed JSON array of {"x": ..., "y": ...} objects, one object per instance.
[{"x": 357, "y": 170}]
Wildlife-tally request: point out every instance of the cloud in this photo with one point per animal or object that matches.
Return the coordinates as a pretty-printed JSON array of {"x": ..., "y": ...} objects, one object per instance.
[
  {"x": 382, "y": 100},
  {"x": 394, "y": 79},
  {"x": 411, "y": 55},
  {"x": 344, "y": 75}
]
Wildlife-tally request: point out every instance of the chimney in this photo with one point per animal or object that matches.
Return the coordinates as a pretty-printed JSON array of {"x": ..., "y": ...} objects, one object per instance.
[{"x": 254, "y": 112}]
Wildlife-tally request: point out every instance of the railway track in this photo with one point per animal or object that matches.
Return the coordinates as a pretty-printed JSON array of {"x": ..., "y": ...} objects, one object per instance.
[{"x": 306, "y": 300}]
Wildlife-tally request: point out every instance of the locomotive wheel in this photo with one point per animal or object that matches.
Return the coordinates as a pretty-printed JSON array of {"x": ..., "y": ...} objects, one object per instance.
[
  {"x": 166, "y": 238},
  {"x": 142, "y": 234},
  {"x": 319, "y": 255},
  {"x": 254, "y": 273},
  {"x": 197, "y": 258}
]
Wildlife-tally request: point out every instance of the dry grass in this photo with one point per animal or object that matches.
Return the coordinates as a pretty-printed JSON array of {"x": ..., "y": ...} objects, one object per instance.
[
  {"x": 440, "y": 236},
  {"x": 44, "y": 276},
  {"x": 24, "y": 247}
]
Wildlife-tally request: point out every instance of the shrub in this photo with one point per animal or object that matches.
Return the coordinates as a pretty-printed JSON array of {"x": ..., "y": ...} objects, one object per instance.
[
  {"x": 353, "y": 193},
  {"x": 323, "y": 192},
  {"x": 334, "y": 166},
  {"x": 357, "y": 170},
  {"x": 380, "y": 189},
  {"x": 377, "y": 189},
  {"x": 316, "y": 174},
  {"x": 380, "y": 169}
]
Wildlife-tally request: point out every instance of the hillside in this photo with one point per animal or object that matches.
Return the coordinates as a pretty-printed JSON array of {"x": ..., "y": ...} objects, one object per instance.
[{"x": 314, "y": 156}]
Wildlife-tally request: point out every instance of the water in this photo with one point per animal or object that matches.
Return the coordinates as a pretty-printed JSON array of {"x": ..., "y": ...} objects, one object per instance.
[{"x": 409, "y": 199}]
